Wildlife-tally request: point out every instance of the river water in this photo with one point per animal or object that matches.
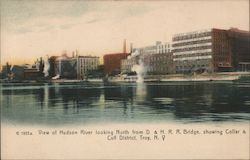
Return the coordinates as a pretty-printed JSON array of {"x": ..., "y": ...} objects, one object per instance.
[{"x": 96, "y": 103}]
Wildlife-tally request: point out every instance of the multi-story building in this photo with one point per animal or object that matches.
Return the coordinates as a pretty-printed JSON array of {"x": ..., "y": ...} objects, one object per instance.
[
  {"x": 160, "y": 63},
  {"x": 159, "y": 47},
  {"x": 77, "y": 67},
  {"x": 212, "y": 50},
  {"x": 157, "y": 59},
  {"x": 66, "y": 67},
  {"x": 112, "y": 63},
  {"x": 85, "y": 64},
  {"x": 127, "y": 64}
]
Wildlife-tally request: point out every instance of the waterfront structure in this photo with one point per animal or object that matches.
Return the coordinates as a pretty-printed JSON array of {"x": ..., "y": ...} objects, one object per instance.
[
  {"x": 6, "y": 71},
  {"x": 76, "y": 67},
  {"x": 86, "y": 64},
  {"x": 127, "y": 64},
  {"x": 31, "y": 74},
  {"x": 52, "y": 64},
  {"x": 113, "y": 61},
  {"x": 157, "y": 59},
  {"x": 65, "y": 67},
  {"x": 17, "y": 72},
  {"x": 158, "y": 48},
  {"x": 212, "y": 50},
  {"x": 158, "y": 64}
]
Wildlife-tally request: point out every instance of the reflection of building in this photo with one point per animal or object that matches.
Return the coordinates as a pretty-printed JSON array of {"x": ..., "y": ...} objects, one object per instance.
[{"x": 211, "y": 50}]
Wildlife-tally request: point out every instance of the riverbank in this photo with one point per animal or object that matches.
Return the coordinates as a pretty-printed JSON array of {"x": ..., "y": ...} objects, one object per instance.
[{"x": 222, "y": 76}]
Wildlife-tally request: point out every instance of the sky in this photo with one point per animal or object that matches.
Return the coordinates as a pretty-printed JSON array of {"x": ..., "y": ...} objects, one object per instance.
[{"x": 36, "y": 28}]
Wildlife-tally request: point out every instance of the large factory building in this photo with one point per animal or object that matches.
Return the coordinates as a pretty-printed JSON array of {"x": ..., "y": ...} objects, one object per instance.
[{"x": 213, "y": 50}]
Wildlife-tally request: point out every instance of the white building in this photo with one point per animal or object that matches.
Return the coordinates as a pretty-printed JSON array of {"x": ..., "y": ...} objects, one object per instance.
[
  {"x": 75, "y": 67},
  {"x": 86, "y": 64},
  {"x": 159, "y": 47},
  {"x": 192, "y": 51},
  {"x": 149, "y": 54}
]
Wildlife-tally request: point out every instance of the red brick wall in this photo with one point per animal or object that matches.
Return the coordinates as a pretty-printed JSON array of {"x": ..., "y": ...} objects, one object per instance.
[{"x": 112, "y": 62}]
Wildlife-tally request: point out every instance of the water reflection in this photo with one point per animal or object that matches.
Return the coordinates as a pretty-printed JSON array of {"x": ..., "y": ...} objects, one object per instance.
[{"x": 125, "y": 102}]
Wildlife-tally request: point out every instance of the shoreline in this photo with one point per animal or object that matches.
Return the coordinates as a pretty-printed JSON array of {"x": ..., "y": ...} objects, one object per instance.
[{"x": 222, "y": 76}]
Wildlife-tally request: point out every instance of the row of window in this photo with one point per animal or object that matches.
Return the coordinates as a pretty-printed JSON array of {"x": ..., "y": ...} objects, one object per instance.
[
  {"x": 193, "y": 55},
  {"x": 190, "y": 36},
  {"x": 192, "y": 48},
  {"x": 191, "y": 42},
  {"x": 192, "y": 66}
]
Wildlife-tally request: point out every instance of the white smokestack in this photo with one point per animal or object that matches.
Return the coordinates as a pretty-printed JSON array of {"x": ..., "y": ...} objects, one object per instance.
[
  {"x": 46, "y": 67},
  {"x": 140, "y": 71}
]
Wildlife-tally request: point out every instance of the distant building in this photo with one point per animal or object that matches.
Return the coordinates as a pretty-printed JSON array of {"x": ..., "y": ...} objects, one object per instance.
[
  {"x": 52, "y": 64},
  {"x": 66, "y": 67},
  {"x": 77, "y": 67},
  {"x": 6, "y": 71},
  {"x": 212, "y": 50},
  {"x": 31, "y": 74},
  {"x": 112, "y": 62},
  {"x": 157, "y": 59},
  {"x": 127, "y": 64},
  {"x": 17, "y": 72},
  {"x": 159, "y": 47},
  {"x": 85, "y": 65},
  {"x": 160, "y": 63}
]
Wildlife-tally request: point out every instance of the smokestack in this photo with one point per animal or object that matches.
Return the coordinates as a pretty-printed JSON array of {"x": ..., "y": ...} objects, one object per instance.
[{"x": 124, "y": 46}]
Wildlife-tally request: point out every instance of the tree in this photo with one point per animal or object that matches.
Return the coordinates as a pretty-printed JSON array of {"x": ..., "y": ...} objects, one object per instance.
[{"x": 41, "y": 66}]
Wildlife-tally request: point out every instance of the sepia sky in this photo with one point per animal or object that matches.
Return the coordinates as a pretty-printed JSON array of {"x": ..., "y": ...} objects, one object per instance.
[{"x": 36, "y": 28}]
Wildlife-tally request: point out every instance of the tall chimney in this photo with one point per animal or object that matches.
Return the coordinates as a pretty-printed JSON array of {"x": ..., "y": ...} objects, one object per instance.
[{"x": 124, "y": 46}]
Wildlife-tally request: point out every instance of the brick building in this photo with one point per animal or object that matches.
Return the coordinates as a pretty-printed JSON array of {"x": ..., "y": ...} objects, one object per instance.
[
  {"x": 161, "y": 63},
  {"x": 112, "y": 62},
  {"x": 157, "y": 59},
  {"x": 213, "y": 50}
]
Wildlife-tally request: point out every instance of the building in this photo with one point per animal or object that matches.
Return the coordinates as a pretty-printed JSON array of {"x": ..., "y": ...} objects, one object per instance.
[
  {"x": 66, "y": 67},
  {"x": 31, "y": 74},
  {"x": 17, "y": 72},
  {"x": 157, "y": 59},
  {"x": 86, "y": 64},
  {"x": 212, "y": 50},
  {"x": 6, "y": 71},
  {"x": 159, "y": 47},
  {"x": 75, "y": 67},
  {"x": 127, "y": 64},
  {"x": 52, "y": 64},
  {"x": 112, "y": 63},
  {"x": 158, "y": 64},
  {"x": 240, "y": 49}
]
